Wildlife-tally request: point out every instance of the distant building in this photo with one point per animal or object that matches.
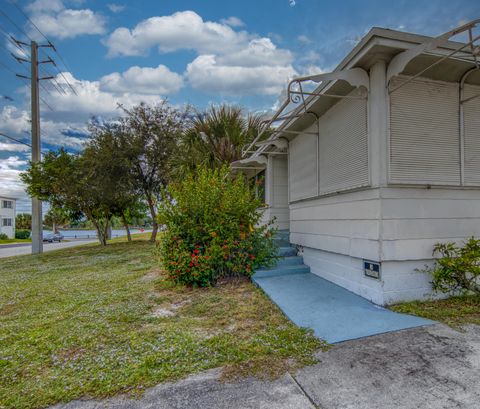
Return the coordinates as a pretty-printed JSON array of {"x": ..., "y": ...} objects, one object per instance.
[{"x": 7, "y": 216}]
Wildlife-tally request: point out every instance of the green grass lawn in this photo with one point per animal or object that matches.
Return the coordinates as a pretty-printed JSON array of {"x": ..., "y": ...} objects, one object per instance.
[
  {"x": 454, "y": 311},
  {"x": 91, "y": 322},
  {"x": 10, "y": 241}
]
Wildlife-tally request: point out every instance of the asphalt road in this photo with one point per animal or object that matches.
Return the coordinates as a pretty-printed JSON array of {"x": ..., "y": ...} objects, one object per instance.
[{"x": 18, "y": 249}]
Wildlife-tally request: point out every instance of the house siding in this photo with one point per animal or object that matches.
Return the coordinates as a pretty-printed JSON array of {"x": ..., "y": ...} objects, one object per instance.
[
  {"x": 347, "y": 224},
  {"x": 414, "y": 219}
]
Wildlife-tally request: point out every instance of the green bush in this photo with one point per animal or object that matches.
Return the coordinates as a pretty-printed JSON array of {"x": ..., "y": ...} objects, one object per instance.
[
  {"x": 3, "y": 236},
  {"x": 458, "y": 268},
  {"x": 211, "y": 229},
  {"x": 22, "y": 234}
]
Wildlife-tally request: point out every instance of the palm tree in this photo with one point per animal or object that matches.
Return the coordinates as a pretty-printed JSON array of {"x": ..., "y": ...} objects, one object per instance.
[{"x": 216, "y": 137}]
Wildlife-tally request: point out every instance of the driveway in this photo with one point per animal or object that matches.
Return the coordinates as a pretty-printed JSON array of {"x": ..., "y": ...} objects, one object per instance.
[
  {"x": 427, "y": 367},
  {"x": 9, "y": 250}
]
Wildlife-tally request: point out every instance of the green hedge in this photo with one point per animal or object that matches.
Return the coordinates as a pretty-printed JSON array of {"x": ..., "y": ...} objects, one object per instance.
[{"x": 22, "y": 234}]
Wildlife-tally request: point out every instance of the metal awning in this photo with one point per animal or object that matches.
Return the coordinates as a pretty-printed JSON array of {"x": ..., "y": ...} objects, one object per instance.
[
  {"x": 296, "y": 94},
  {"x": 426, "y": 55},
  {"x": 250, "y": 166},
  {"x": 467, "y": 52}
]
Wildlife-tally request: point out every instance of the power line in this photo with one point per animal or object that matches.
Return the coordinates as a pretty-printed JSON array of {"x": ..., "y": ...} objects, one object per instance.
[
  {"x": 50, "y": 44},
  {"x": 41, "y": 99},
  {"x": 15, "y": 24},
  {"x": 12, "y": 41},
  {"x": 6, "y": 67},
  {"x": 13, "y": 139}
]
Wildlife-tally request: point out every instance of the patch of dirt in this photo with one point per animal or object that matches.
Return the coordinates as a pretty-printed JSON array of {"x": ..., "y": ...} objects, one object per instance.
[
  {"x": 69, "y": 354},
  {"x": 170, "y": 310},
  {"x": 161, "y": 312},
  {"x": 151, "y": 276},
  {"x": 231, "y": 280}
]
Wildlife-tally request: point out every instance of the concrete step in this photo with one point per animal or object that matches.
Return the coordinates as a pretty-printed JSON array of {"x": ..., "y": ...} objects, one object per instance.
[
  {"x": 286, "y": 251},
  {"x": 282, "y": 270},
  {"x": 283, "y": 234},
  {"x": 285, "y": 261},
  {"x": 281, "y": 242},
  {"x": 289, "y": 261}
]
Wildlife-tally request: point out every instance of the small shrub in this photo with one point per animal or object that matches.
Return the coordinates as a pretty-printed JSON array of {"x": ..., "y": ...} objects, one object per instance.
[
  {"x": 212, "y": 229},
  {"x": 22, "y": 234},
  {"x": 458, "y": 268},
  {"x": 3, "y": 236}
]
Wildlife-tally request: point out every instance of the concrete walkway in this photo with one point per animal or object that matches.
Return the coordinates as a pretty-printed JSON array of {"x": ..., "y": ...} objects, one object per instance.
[
  {"x": 334, "y": 313},
  {"x": 428, "y": 368},
  {"x": 26, "y": 248}
]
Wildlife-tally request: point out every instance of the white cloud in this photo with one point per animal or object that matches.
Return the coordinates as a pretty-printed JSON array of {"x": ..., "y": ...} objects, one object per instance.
[
  {"x": 206, "y": 74},
  {"x": 228, "y": 61},
  {"x": 12, "y": 186},
  {"x": 13, "y": 147},
  {"x": 16, "y": 122},
  {"x": 146, "y": 80},
  {"x": 42, "y": 6},
  {"x": 116, "y": 8},
  {"x": 258, "y": 52},
  {"x": 304, "y": 39},
  {"x": 12, "y": 162},
  {"x": 53, "y": 19},
  {"x": 181, "y": 30},
  {"x": 232, "y": 21}
]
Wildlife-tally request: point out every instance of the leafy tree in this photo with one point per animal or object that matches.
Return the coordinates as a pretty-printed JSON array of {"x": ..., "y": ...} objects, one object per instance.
[
  {"x": 55, "y": 218},
  {"x": 147, "y": 142},
  {"x": 69, "y": 183},
  {"x": 104, "y": 153},
  {"x": 23, "y": 221},
  {"x": 216, "y": 137}
]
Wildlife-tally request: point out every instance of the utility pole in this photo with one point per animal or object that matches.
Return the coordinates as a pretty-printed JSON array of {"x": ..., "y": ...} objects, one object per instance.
[{"x": 37, "y": 220}]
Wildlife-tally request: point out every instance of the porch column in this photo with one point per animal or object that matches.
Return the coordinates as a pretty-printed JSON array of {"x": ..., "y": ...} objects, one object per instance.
[{"x": 378, "y": 125}]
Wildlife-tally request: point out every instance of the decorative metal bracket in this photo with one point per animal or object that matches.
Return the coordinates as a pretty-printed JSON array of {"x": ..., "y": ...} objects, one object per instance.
[
  {"x": 356, "y": 77},
  {"x": 400, "y": 61},
  {"x": 279, "y": 143}
]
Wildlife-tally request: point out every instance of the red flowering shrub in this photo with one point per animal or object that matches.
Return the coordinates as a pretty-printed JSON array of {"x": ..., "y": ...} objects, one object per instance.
[{"x": 211, "y": 229}]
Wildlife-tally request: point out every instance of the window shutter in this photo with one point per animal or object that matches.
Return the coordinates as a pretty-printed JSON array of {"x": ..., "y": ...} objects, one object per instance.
[
  {"x": 343, "y": 146},
  {"x": 424, "y": 134},
  {"x": 471, "y": 120},
  {"x": 302, "y": 167}
]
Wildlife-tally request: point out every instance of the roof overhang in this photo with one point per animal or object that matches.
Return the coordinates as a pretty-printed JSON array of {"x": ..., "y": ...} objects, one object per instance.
[{"x": 405, "y": 53}]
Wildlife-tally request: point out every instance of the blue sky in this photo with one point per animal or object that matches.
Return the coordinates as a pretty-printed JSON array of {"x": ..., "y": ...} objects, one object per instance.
[{"x": 198, "y": 52}]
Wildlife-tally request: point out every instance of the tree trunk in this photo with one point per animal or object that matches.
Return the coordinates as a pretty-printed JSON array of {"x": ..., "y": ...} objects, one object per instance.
[
  {"x": 153, "y": 213},
  {"x": 106, "y": 231},
  {"x": 101, "y": 237},
  {"x": 54, "y": 227},
  {"x": 125, "y": 223}
]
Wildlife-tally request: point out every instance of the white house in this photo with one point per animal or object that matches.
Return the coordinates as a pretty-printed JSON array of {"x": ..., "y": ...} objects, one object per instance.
[
  {"x": 379, "y": 161},
  {"x": 7, "y": 216}
]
